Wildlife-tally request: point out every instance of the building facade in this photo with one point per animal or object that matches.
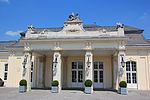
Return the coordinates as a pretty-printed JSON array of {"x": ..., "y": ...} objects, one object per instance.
[{"x": 77, "y": 52}]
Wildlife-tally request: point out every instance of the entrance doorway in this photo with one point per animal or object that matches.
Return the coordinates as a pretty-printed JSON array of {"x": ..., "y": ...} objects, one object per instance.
[{"x": 77, "y": 74}]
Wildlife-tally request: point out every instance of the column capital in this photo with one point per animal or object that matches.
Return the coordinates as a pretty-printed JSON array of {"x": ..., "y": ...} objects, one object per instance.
[
  {"x": 88, "y": 49},
  {"x": 57, "y": 49}
]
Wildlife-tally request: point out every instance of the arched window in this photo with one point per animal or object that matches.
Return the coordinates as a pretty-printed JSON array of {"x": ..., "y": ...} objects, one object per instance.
[{"x": 131, "y": 72}]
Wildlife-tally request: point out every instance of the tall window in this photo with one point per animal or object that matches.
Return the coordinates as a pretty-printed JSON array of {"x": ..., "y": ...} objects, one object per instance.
[
  {"x": 131, "y": 72},
  {"x": 98, "y": 72},
  {"x": 77, "y": 71},
  {"x": 5, "y": 71},
  {"x": 31, "y": 71}
]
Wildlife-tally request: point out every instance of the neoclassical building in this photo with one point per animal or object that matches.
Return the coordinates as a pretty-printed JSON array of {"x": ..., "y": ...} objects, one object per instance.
[{"x": 76, "y": 52}]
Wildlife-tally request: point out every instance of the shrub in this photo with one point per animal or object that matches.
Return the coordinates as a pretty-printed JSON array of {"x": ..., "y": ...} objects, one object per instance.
[
  {"x": 123, "y": 84},
  {"x": 23, "y": 82},
  {"x": 55, "y": 83},
  {"x": 88, "y": 83}
]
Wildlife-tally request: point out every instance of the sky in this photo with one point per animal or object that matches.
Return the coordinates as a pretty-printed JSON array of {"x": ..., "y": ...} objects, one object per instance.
[{"x": 16, "y": 15}]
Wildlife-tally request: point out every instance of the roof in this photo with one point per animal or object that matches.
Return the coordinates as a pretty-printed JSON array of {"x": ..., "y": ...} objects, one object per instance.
[
  {"x": 3, "y": 44},
  {"x": 136, "y": 39},
  {"x": 133, "y": 34},
  {"x": 91, "y": 27}
]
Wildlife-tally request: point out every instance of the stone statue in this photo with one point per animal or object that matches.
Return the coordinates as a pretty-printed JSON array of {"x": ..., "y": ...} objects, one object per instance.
[
  {"x": 73, "y": 17},
  {"x": 120, "y": 25}
]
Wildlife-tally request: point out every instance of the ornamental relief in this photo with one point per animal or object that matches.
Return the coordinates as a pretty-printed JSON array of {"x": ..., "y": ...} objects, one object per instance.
[
  {"x": 131, "y": 59},
  {"x": 88, "y": 45}
]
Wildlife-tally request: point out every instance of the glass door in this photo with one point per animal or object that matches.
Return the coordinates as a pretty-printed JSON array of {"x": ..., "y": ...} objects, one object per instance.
[
  {"x": 98, "y": 74},
  {"x": 77, "y": 74},
  {"x": 131, "y": 74}
]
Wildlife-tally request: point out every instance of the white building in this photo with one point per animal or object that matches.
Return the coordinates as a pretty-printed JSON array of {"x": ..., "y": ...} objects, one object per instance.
[{"x": 77, "y": 52}]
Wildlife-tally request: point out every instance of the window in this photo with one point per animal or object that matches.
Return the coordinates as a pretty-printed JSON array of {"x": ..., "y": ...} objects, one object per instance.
[
  {"x": 31, "y": 71},
  {"x": 77, "y": 71},
  {"x": 131, "y": 72},
  {"x": 98, "y": 72},
  {"x": 6, "y": 67},
  {"x": 5, "y": 76},
  {"x": 5, "y": 71}
]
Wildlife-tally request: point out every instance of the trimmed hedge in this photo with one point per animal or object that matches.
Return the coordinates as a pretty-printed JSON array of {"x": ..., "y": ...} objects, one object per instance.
[
  {"x": 55, "y": 83},
  {"x": 123, "y": 84},
  {"x": 88, "y": 83},
  {"x": 23, "y": 82}
]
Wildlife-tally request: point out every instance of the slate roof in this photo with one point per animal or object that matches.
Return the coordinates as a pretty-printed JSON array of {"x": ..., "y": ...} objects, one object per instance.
[
  {"x": 91, "y": 27},
  {"x": 3, "y": 44},
  {"x": 136, "y": 39}
]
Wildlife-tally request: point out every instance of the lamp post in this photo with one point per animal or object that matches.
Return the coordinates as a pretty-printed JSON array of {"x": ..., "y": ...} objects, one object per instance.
[
  {"x": 122, "y": 62},
  {"x": 25, "y": 61},
  {"x": 88, "y": 61},
  {"x": 55, "y": 62}
]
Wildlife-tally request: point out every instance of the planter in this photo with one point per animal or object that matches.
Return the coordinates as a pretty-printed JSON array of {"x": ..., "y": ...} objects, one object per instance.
[
  {"x": 22, "y": 89},
  {"x": 55, "y": 89},
  {"x": 123, "y": 91},
  {"x": 88, "y": 90}
]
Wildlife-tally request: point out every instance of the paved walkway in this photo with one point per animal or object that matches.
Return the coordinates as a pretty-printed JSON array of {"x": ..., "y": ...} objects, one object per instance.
[{"x": 12, "y": 94}]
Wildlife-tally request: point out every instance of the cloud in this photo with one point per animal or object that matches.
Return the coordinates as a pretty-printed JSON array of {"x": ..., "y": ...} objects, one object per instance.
[
  {"x": 145, "y": 17},
  {"x": 12, "y": 33},
  {"x": 7, "y": 1}
]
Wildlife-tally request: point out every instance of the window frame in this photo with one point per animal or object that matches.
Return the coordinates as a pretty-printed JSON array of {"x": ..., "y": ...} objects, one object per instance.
[
  {"x": 98, "y": 70},
  {"x": 77, "y": 70},
  {"x": 131, "y": 65},
  {"x": 5, "y": 71}
]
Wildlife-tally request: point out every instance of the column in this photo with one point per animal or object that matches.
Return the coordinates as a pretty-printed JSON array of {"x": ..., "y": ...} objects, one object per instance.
[
  {"x": 115, "y": 71},
  {"x": 121, "y": 66},
  {"x": 89, "y": 65},
  {"x": 27, "y": 69},
  {"x": 57, "y": 67}
]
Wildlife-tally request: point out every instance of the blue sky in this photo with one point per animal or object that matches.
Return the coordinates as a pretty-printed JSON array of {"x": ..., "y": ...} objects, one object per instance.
[{"x": 16, "y": 15}]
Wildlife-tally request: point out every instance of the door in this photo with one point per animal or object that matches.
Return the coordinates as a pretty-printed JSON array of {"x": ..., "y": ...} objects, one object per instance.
[
  {"x": 131, "y": 74},
  {"x": 98, "y": 74},
  {"x": 77, "y": 74}
]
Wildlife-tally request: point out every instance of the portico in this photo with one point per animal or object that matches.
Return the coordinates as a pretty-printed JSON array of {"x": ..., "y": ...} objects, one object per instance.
[
  {"x": 72, "y": 67},
  {"x": 74, "y": 55}
]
